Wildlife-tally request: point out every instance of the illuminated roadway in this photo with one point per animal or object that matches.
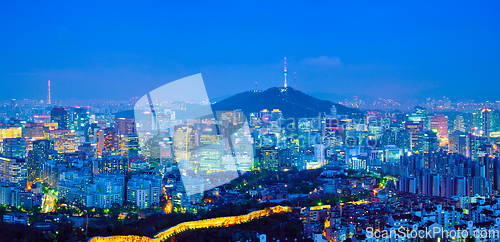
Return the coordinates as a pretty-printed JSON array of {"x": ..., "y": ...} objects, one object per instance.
[
  {"x": 200, "y": 224},
  {"x": 49, "y": 199}
]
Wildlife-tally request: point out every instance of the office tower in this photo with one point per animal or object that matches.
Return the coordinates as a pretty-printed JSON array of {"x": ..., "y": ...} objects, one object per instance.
[
  {"x": 269, "y": 158},
  {"x": 459, "y": 143},
  {"x": 319, "y": 154},
  {"x": 34, "y": 130},
  {"x": 107, "y": 142},
  {"x": 184, "y": 141},
  {"x": 403, "y": 140},
  {"x": 91, "y": 133},
  {"x": 486, "y": 123},
  {"x": 144, "y": 191},
  {"x": 13, "y": 171},
  {"x": 459, "y": 123},
  {"x": 429, "y": 142},
  {"x": 64, "y": 140},
  {"x": 330, "y": 131},
  {"x": 43, "y": 150},
  {"x": 304, "y": 132},
  {"x": 14, "y": 148},
  {"x": 129, "y": 145},
  {"x": 440, "y": 123},
  {"x": 80, "y": 118},
  {"x": 211, "y": 150},
  {"x": 125, "y": 126},
  {"x": 60, "y": 116},
  {"x": 8, "y": 131},
  {"x": 414, "y": 127}
]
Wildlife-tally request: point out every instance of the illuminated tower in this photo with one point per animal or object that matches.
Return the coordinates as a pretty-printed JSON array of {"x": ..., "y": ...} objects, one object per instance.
[
  {"x": 486, "y": 125},
  {"x": 48, "y": 95},
  {"x": 284, "y": 73}
]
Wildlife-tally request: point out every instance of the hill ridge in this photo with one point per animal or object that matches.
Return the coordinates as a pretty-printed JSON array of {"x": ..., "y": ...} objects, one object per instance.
[{"x": 291, "y": 102}]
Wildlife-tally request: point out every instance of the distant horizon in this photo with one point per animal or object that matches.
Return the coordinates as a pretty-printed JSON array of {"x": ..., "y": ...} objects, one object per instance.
[{"x": 318, "y": 95}]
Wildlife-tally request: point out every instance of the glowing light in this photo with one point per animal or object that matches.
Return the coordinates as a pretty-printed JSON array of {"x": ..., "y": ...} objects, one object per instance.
[{"x": 200, "y": 224}]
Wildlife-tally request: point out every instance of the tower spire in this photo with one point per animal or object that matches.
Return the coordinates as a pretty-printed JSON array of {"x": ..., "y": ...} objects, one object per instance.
[
  {"x": 284, "y": 73},
  {"x": 48, "y": 95}
]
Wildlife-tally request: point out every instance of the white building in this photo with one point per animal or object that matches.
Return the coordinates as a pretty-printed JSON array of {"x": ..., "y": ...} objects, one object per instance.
[{"x": 144, "y": 190}]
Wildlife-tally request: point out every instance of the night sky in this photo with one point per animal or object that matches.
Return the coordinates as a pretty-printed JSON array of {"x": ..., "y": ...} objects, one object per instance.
[{"x": 104, "y": 50}]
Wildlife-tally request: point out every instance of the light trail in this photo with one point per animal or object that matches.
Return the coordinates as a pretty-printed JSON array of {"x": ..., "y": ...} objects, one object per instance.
[
  {"x": 200, "y": 224},
  {"x": 49, "y": 200}
]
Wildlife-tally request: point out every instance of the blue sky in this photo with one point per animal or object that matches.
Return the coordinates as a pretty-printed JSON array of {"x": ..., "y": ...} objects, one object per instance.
[{"x": 116, "y": 50}]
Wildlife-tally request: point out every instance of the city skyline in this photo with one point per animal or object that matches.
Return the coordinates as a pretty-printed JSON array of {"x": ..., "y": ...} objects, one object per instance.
[{"x": 250, "y": 121}]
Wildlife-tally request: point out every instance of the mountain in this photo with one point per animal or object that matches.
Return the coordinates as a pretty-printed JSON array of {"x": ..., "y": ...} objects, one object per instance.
[{"x": 292, "y": 103}]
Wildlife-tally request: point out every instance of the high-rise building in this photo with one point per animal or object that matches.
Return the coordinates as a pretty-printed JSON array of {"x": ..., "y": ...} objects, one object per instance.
[
  {"x": 8, "y": 131},
  {"x": 60, "y": 116},
  {"x": 107, "y": 142},
  {"x": 486, "y": 123},
  {"x": 403, "y": 140},
  {"x": 129, "y": 145},
  {"x": 91, "y": 133},
  {"x": 21, "y": 198},
  {"x": 459, "y": 123},
  {"x": 429, "y": 142},
  {"x": 13, "y": 171},
  {"x": 211, "y": 149},
  {"x": 414, "y": 127},
  {"x": 125, "y": 126},
  {"x": 184, "y": 141},
  {"x": 43, "y": 150},
  {"x": 269, "y": 158},
  {"x": 34, "y": 130},
  {"x": 64, "y": 140},
  {"x": 80, "y": 118},
  {"x": 440, "y": 123},
  {"x": 459, "y": 143},
  {"x": 144, "y": 190},
  {"x": 109, "y": 189},
  {"x": 14, "y": 148}
]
